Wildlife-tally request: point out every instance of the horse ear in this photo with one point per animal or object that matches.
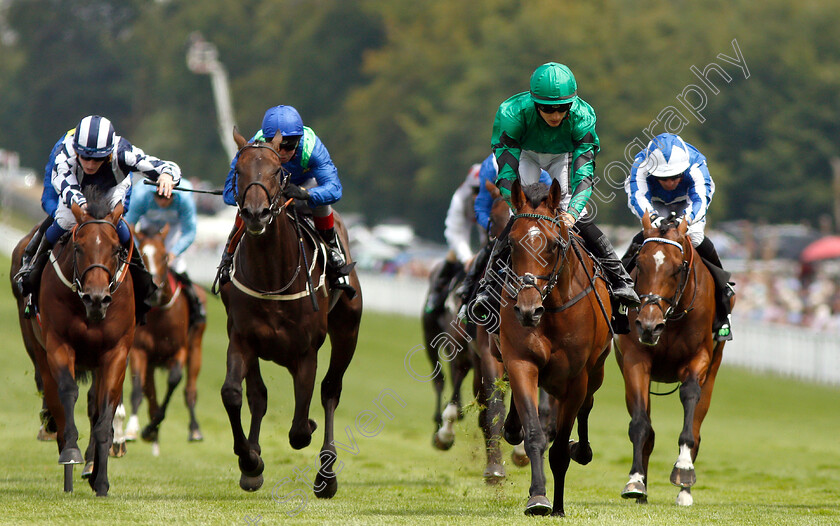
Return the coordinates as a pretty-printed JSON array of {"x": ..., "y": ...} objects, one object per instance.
[
  {"x": 554, "y": 195},
  {"x": 238, "y": 138},
  {"x": 493, "y": 189},
  {"x": 682, "y": 228},
  {"x": 275, "y": 142},
  {"x": 77, "y": 213},
  {"x": 646, "y": 221},
  {"x": 116, "y": 214},
  {"x": 164, "y": 231},
  {"x": 517, "y": 196}
]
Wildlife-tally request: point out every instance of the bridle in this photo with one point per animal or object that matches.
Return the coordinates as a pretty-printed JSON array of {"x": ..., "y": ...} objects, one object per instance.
[
  {"x": 115, "y": 278},
  {"x": 529, "y": 280},
  {"x": 656, "y": 299},
  {"x": 274, "y": 201}
]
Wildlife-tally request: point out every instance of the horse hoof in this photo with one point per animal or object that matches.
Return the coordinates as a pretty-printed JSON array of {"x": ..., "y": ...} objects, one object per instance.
[
  {"x": 683, "y": 478},
  {"x": 88, "y": 470},
  {"x": 118, "y": 450},
  {"x": 250, "y": 483},
  {"x": 443, "y": 441},
  {"x": 195, "y": 436},
  {"x": 149, "y": 434},
  {"x": 494, "y": 474},
  {"x": 258, "y": 463},
  {"x": 538, "y": 505},
  {"x": 130, "y": 437},
  {"x": 634, "y": 490},
  {"x": 518, "y": 455},
  {"x": 70, "y": 455},
  {"x": 684, "y": 497},
  {"x": 45, "y": 436},
  {"x": 582, "y": 454},
  {"x": 328, "y": 486}
]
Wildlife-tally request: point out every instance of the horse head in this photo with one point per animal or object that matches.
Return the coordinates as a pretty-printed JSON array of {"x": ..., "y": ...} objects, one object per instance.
[
  {"x": 539, "y": 241},
  {"x": 260, "y": 181},
  {"x": 96, "y": 255},
  {"x": 662, "y": 274},
  {"x": 151, "y": 243}
]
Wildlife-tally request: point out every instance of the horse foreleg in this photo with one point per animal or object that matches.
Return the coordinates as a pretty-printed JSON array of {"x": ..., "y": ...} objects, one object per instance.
[
  {"x": 138, "y": 360},
  {"x": 492, "y": 401},
  {"x": 303, "y": 376},
  {"x": 175, "y": 373},
  {"x": 683, "y": 473},
  {"x": 191, "y": 389},
  {"x": 636, "y": 371},
  {"x": 257, "y": 395},
  {"x": 61, "y": 368},
  {"x": 523, "y": 383},
  {"x": 250, "y": 464},
  {"x": 431, "y": 328},
  {"x": 109, "y": 386},
  {"x": 92, "y": 416},
  {"x": 559, "y": 455},
  {"x": 150, "y": 391}
]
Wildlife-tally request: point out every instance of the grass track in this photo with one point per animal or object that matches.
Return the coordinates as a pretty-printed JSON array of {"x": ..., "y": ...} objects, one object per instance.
[{"x": 770, "y": 453}]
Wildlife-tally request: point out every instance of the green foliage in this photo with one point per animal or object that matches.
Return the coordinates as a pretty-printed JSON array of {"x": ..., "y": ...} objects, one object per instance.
[{"x": 403, "y": 93}]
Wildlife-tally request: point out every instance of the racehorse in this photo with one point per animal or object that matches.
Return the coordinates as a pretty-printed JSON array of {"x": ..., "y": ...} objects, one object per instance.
[
  {"x": 85, "y": 323},
  {"x": 444, "y": 341},
  {"x": 279, "y": 309},
  {"x": 166, "y": 340},
  {"x": 555, "y": 334},
  {"x": 670, "y": 341}
]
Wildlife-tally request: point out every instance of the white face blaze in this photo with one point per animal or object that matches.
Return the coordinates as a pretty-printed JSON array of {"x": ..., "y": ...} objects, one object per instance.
[
  {"x": 149, "y": 252},
  {"x": 659, "y": 258}
]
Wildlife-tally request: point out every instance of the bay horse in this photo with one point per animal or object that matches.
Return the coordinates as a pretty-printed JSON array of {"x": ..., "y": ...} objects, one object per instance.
[
  {"x": 166, "y": 340},
  {"x": 670, "y": 341},
  {"x": 278, "y": 306},
  {"x": 555, "y": 334},
  {"x": 85, "y": 323}
]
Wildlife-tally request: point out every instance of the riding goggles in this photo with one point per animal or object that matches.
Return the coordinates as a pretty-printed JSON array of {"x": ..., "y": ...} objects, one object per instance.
[{"x": 553, "y": 108}]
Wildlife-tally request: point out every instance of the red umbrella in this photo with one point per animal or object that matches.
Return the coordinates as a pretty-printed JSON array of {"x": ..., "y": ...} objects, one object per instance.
[{"x": 824, "y": 248}]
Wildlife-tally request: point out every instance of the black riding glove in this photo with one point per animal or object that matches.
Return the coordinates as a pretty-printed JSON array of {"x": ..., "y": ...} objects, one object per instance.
[{"x": 296, "y": 192}]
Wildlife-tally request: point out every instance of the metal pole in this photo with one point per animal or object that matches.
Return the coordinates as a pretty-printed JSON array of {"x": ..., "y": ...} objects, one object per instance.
[{"x": 68, "y": 478}]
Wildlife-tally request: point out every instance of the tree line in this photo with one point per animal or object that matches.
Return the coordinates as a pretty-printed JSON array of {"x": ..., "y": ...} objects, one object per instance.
[{"x": 403, "y": 94}]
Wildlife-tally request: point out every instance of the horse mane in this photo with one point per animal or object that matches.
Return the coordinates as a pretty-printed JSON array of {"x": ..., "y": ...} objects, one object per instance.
[
  {"x": 98, "y": 206},
  {"x": 668, "y": 224},
  {"x": 535, "y": 193}
]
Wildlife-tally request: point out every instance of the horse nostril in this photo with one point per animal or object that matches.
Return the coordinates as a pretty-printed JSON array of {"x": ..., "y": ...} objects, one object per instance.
[
  {"x": 658, "y": 328},
  {"x": 538, "y": 312},
  {"x": 264, "y": 215},
  {"x": 106, "y": 301},
  {"x": 86, "y": 299}
]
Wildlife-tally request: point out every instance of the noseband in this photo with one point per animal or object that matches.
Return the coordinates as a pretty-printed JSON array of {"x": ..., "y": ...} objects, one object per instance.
[
  {"x": 113, "y": 282},
  {"x": 529, "y": 280},
  {"x": 274, "y": 201},
  {"x": 656, "y": 299}
]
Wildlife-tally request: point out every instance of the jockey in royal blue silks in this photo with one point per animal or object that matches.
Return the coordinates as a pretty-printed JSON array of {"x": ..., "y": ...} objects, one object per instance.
[
  {"x": 93, "y": 155},
  {"x": 483, "y": 207},
  {"x": 314, "y": 180},
  {"x": 150, "y": 212},
  {"x": 671, "y": 176}
]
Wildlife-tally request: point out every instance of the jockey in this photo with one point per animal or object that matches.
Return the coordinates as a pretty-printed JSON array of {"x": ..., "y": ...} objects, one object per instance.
[
  {"x": 551, "y": 128},
  {"x": 460, "y": 219},
  {"x": 152, "y": 211},
  {"x": 482, "y": 209},
  {"x": 314, "y": 179},
  {"x": 671, "y": 176},
  {"x": 93, "y": 155}
]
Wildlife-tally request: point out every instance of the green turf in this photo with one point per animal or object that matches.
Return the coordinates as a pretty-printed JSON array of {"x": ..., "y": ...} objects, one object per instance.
[{"x": 770, "y": 453}]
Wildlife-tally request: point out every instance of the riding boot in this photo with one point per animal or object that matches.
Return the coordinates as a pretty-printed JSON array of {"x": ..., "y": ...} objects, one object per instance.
[
  {"x": 440, "y": 288},
  {"x": 620, "y": 281},
  {"x": 223, "y": 271},
  {"x": 34, "y": 243},
  {"x": 197, "y": 312},
  {"x": 29, "y": 277},
  {"x": 467, "y": 288},
  {"x": 483, "y": 304},
  {"x": 337, "y": 266},
  {"x": 629, "y": 258},
  {"x": 724, "y": 290},
  {"x": 144, "y": 285}
]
